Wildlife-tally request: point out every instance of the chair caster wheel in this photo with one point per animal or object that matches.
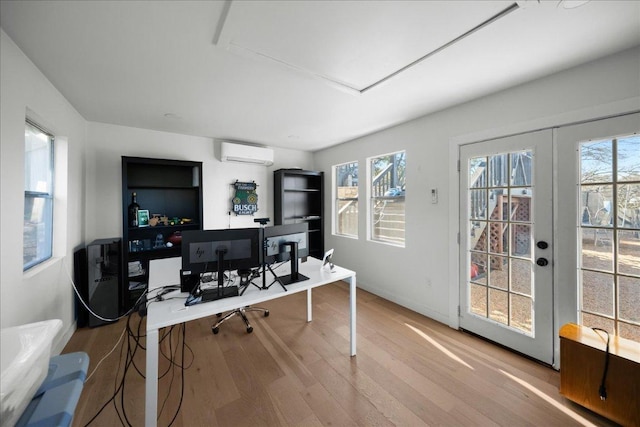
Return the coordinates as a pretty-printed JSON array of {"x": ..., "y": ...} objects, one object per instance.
[
  {"x": 215, "y": 330},
  {"x": 250, "y": 329},
  {"x": 266, "y": 313}
]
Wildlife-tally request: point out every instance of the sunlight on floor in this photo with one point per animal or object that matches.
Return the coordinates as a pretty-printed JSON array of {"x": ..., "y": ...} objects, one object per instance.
[
  {"x": 439, "y": 346},
  {"x": 549, "y": 400}
]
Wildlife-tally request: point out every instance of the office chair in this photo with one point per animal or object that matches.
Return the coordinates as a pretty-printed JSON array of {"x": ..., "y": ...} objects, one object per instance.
[{"x": 245, "y": 282}]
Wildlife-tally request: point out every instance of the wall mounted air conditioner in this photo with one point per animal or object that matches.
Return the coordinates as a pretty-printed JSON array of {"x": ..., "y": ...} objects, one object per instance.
[{"x": 240, "y": 153}]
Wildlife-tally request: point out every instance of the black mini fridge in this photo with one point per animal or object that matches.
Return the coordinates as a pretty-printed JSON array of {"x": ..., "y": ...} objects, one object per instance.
[{"x": 98, "y": 276}]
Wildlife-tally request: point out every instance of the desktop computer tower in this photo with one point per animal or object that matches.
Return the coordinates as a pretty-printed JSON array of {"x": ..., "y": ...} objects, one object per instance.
[{"x": 99, "y": 275}]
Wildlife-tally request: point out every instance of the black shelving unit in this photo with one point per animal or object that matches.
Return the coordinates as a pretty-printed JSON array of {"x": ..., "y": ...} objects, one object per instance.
[
  {"x": 299, "y": 197},
  {"x": 171, "y": 188}
]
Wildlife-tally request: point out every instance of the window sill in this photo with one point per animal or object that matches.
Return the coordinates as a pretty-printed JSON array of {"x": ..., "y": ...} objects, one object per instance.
[{"x": 40, "y": 268}]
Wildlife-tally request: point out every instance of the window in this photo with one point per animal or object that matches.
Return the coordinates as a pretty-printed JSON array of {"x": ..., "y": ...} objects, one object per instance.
[
  {"x": 346, "y": 213},
  {"x": 38, "y": 196},
  {"x": 609, "y": 233},
  {"x": 387, "y": 198}
]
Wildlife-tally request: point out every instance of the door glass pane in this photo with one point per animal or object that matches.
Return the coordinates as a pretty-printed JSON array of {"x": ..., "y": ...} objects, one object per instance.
[
  {"x": 629, "y": 205},
  {"x": 479, "y": 268},
  {"x": 521, "y": 169},
  {"x": 499, "y": 238},
  {"x": 499, "y": 306},
  {"x": 498, "y": 170},
  {"x": 629, "y": 252},
  {"x": 520, "y": 205},
  {"x": 521, "y": 309},
  {"x": 499, "y": 274},
  {"x": 478, "y": 204},
  {"x": 478, "y": 172},
  {"x": 629, "y": 297},
  {"x": 521, "y": 276},
  {"x": 629, "y": 158},
  {"x": 521, "y": 240},
  {"x": 478, "y": 236},
  {"x": 631, "y": 332},
  {"x": 597, "y": 292},
  {"x": 593, "y": 321},
  {"x": 597, "y": 205},
  {"x": 478, "y": 299},
  {"x": 596, "y": 161},
  {"x": 597, "y": 249}
]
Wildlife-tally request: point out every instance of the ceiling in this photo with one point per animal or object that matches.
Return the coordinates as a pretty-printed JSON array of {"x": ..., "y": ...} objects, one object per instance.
[{"x": 302, "y": 74}]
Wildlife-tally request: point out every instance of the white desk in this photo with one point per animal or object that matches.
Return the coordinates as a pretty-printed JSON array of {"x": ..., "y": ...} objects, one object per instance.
[{"x": 171, "y": 312}]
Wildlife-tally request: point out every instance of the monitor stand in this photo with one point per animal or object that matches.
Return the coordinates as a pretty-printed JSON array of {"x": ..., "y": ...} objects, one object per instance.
[{"x": 295, "y": 276}]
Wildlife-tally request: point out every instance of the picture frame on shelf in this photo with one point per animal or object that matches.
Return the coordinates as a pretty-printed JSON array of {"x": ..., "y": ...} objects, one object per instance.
[{"x": 143, "y": 218}]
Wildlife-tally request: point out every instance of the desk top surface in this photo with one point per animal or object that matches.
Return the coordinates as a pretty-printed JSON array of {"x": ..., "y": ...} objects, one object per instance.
[{"x": 172, "y": 311}]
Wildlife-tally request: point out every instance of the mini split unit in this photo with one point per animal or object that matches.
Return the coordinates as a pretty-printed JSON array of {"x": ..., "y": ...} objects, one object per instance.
[{"x": 246, "y": 154}]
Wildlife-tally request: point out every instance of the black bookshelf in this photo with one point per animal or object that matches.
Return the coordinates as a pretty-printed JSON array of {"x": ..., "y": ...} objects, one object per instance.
[
  {"x": 170, "y": 188},
  {"x": 299, "y": 197}
]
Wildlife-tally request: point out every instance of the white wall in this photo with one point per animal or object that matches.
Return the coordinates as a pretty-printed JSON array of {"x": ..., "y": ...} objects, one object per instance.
[
  {"x": 44, "y": 292},
  {"x": 423, "y": 275},
  {"x": 108, "y": 143}
]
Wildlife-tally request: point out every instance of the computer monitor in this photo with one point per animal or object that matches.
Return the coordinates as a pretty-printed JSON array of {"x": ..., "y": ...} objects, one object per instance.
[
  {"x": 287, "y": 242},
  {"x": 220, "y": 250}
]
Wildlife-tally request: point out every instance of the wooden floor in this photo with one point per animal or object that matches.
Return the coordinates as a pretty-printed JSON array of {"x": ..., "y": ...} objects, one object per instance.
[{"x": 409, "y": 371}]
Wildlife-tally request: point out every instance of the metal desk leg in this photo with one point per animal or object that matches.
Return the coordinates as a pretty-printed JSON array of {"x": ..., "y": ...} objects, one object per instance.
[
  {"x": 151, "y": 391},
  {"x": 309, "y": 312},
  {"x": 352, "y": 303}
]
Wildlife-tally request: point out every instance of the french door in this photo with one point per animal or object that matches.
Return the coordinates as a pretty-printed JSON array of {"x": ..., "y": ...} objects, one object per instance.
[{"x": 506, "y": 236}]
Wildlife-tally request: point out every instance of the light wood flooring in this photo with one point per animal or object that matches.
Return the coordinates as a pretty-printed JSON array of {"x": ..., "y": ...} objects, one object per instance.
[{"x": 409, "y": 371}]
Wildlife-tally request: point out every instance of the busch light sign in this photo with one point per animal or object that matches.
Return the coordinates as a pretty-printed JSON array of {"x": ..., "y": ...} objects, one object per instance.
[{"x": 245, "y": 201}]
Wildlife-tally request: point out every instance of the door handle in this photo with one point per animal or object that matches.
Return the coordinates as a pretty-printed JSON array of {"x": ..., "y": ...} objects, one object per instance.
[
  {"x": 542, "y": 244},
  {"x": 542, "y": 262}
]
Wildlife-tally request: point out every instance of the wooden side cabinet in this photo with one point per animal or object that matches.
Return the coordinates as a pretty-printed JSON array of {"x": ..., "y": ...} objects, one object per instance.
[
  {"x": 582, "y": 360},
  {"x": 299, "y": 197},
  {"x": 170, "y": 189}
]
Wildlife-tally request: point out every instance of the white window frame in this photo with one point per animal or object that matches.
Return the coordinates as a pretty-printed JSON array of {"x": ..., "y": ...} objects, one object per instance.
[
  {"x": 45, "y": 234},
  {"x": 337, "y": 201},
  {"x": 375, "y": 199}
]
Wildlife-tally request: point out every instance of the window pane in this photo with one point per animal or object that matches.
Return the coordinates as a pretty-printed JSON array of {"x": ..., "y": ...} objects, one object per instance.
[
  {"x": 37, "y": 230},
  {"x": 499, "y": 306},
  {"x": 520, "y": 205},
  {"x": 346, "y": 218},
  {"x": 38, "y": 161},
  {"x": 629, "y": 158},
  {"x": 387, "y": 209},
  {"x": 596, "y": 161},
  {"x": 477, "y": 236},
  {"x": 499, "y": 274},
  {"x": 38, "y": 199},
  {"x": 629, "y": 252}
]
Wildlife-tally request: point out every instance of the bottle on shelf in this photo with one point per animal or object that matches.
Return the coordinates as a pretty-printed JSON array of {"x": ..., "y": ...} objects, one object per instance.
[{"x": 133, "y": 211}]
